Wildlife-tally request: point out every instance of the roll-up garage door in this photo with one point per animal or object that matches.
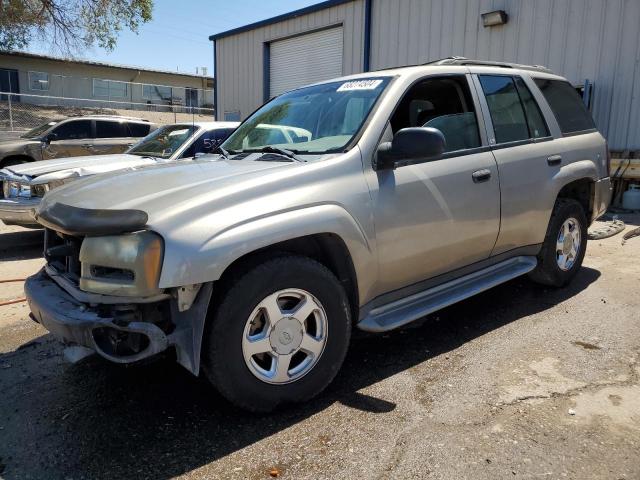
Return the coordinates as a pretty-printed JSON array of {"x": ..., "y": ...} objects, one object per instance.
[{"x": 304, "y": 59}]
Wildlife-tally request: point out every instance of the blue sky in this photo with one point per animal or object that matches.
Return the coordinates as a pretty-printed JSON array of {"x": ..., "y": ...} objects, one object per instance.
[{"x": 177, "y": 37}]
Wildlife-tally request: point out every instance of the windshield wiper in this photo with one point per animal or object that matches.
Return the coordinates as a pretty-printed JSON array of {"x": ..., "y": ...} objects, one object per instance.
[
  {"x": 221, "y": 151},
  {"x": 279, "y": 151}
]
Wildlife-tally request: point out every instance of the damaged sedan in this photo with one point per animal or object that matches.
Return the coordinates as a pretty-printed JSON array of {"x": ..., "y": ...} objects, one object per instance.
[{"x": 24, "y": 185}]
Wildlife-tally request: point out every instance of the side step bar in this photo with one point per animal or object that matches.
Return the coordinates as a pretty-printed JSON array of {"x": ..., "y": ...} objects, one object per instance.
[{"x": 406, "y": 310}]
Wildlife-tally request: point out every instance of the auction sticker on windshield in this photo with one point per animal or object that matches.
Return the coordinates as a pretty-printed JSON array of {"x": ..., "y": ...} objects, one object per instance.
[{"x": 359, "y": 85}]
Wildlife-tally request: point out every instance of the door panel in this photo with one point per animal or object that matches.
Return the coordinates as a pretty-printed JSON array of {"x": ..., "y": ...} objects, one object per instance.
[
  {"x": 74, "y": 138},
  {"x": 432, "y": 218},
  {"x": 68, "y": 148},
  {"x": 526, "y": 180},
  {"x": 521, "y": 145},
  {"x": 102, "y": 146}
]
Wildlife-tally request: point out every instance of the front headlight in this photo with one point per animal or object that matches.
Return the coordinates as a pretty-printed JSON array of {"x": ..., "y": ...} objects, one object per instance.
[
  {"x": 124, "y": 265},
  {"x": 13, "y": 189}
]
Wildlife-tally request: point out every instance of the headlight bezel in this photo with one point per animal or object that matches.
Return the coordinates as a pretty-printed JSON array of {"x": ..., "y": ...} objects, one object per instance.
[{"x": 106, "y": 260}]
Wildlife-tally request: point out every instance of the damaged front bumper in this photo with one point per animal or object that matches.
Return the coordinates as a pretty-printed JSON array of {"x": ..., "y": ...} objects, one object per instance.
[
  {"x": 119, "y": 338},
  {"x": 19, "y": 211}
]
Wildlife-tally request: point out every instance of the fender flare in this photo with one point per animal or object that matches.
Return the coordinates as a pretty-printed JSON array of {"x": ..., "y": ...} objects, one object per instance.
[{"x": 218, "y": 252}]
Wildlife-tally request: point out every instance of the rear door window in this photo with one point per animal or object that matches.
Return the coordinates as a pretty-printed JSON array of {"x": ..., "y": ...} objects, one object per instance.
[
  {"x": 505, "y": 108},
  {"x": 74, "y": 130},
  {"x": 106, "y": 129},
  {"x": 137, "y": 129},
  {"x": 535, "y": 120},
  {"x": 566, "y": 105}
]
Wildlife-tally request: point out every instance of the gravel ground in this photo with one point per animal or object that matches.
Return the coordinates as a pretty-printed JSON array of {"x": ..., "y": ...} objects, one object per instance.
[{"x": 518, "y": 382}]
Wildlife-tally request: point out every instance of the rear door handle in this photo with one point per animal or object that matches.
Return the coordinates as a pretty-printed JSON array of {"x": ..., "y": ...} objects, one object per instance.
[
  {"x": 87, "y": 145},
  {"x": 481, "y": 175},
  {"x": 554, "y": 160}
]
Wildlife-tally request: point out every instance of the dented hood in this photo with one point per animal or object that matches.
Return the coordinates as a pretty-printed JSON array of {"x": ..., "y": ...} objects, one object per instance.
[{"x": 47, "y": 170}]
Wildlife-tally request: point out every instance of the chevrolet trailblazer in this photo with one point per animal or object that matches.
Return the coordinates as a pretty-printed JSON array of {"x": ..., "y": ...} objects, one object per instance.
[{"x": 413, "y": 189}]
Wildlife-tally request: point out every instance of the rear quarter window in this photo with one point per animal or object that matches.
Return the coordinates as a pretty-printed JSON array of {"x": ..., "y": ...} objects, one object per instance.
[{"x": 566, "y": 105}]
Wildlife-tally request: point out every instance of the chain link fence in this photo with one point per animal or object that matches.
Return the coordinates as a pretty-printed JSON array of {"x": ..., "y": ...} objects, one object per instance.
[{"x": 20, "y": 112}]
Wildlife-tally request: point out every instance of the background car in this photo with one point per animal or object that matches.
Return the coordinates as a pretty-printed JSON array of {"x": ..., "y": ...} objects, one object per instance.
[
  {"x": 71, "y": 137},
  {"x": 24, "y": 185}
]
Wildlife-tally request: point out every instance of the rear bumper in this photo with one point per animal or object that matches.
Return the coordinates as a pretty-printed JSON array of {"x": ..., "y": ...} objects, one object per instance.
[
  {"x": 19, "y": 211},
  {"x": 76, "y": 323},
  {"x": 602, "y": 197}
]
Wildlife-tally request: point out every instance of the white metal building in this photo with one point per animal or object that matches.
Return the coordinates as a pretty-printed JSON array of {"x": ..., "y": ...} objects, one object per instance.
[{"x": 597, "y": 41}]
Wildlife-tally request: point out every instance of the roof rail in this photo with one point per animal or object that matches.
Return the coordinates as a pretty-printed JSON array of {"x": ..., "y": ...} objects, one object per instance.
[
  {"x": 106, "y": 115},
  {"x": 487, "y": 63}
]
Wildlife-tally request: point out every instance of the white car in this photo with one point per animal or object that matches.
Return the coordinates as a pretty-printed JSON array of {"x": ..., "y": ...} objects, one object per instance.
[{"x": 24, "y": 185}]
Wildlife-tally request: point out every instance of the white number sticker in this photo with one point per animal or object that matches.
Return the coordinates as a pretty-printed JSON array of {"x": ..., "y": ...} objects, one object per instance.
[{"x": 359, "y": 85}]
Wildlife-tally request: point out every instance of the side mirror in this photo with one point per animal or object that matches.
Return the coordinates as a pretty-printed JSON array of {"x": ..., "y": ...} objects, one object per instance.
[
  {"x": 50, "y": 137},
  {"x": 410, "y": 146}
]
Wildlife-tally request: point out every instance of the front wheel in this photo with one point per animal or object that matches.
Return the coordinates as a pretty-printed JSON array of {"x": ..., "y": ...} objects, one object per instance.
[
  {"x": 564, "y": 245},
  {"x": 279, "y": 335}
]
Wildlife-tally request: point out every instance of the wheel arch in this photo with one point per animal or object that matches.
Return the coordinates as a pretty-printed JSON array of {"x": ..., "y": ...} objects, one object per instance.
[
  {"x": 583, "y": 191},
  {"x": 22, "y": 158},
  {"x": 326, "y": 233},
  {"x": 326, "y": 248}
]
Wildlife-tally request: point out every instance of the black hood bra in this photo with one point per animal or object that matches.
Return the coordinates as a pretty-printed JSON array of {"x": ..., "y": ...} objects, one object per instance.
[{"x": 87, "y": 221}]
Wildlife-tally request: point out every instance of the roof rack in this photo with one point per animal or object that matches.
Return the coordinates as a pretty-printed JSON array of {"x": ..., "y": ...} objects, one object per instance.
[{"x": 487, "y": 63}]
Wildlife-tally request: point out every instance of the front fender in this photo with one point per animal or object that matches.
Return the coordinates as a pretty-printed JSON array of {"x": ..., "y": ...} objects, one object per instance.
[{"x": 184, "y": 265}]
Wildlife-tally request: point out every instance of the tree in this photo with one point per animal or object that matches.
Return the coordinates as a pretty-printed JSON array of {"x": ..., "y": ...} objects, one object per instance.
[{"x": 69, "y": 26}]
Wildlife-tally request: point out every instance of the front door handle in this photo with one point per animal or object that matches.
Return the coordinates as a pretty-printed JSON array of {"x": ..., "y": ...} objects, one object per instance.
[
  {"x": 87, "y": 145},
  {"x": 481, "y": 175},
  {"x": 554, "y": 159}
]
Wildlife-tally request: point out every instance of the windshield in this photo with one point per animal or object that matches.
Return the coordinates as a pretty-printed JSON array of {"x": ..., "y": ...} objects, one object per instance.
[
  {"x": 318, "y": 119},
  {"x": 36, "y": 132},
  {"x": 164, "y": 141}
]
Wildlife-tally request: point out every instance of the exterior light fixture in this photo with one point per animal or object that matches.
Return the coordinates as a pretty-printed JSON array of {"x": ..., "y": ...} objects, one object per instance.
[{"x": 498, "y": 17}]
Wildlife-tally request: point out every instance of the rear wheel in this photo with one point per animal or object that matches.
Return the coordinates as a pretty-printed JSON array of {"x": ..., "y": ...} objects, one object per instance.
[
  {"x": 564, "y": 246},
  {"x": 279, "y": 335}
]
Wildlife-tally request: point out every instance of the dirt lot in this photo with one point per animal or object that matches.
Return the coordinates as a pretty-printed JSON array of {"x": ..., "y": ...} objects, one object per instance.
[{"x": 518, "y": 382}]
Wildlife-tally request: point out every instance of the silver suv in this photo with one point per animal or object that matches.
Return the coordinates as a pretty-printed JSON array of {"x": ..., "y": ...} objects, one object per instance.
[
  {"x": 74, "y": 136},
  {"x": 367, "y": 201}
]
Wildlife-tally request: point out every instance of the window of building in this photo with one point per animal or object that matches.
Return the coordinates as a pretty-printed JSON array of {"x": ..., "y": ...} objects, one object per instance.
[
  {"x": 233, "y": 116},
  {"x": 507, "y": 112},
  {"x": 109, "y": 88},
  {"x": 107, "y": 129},
  {"x": 73, "y": 130},
  {"x": 566, "y": 105},
  {"x": 156, "y": 92},
  {"x": 443, "y": 103},
  {"x": 39, "y": 81}
]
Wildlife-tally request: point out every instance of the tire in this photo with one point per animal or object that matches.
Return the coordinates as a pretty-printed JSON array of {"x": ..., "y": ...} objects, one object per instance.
[
  {"x": 550, "y": 270},
  {"x": 227, "y": 352}
]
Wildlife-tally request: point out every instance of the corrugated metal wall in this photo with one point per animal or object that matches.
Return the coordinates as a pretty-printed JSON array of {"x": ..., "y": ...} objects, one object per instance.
[
  {"x": 597, "y": 40},
  {"x": 239, "y": 58}
]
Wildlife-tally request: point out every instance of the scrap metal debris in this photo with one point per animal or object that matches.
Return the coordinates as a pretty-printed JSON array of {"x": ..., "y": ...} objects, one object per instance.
[
  {"x": 633, "y": 233},
  {"x": 610, "y": 229}
]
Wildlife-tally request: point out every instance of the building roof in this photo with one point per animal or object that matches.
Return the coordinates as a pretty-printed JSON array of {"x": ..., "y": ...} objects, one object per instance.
[
  {"x": 286, "y": 16},
  {"x": 99, "y": 64}
]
